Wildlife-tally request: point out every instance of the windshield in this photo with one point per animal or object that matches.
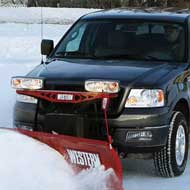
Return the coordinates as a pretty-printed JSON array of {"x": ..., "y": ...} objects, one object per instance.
[{"x": 133, "y": 40}]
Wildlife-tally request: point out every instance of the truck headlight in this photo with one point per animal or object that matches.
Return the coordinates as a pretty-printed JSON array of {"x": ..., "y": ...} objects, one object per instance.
[
  {"x": 102, "y": 86},
  {"x": 26, "y": 83},
  {"x": 145, "y": 98}
]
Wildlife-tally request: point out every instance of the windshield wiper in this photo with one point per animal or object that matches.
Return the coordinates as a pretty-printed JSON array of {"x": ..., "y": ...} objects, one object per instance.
[
  {"x": 152, "y": 58},
  {"x": 130, "y": 56},
  {"x": 72, "y": 54},
  {"x": 120, "y": 56},
  {"x": 78, "y": 54}
]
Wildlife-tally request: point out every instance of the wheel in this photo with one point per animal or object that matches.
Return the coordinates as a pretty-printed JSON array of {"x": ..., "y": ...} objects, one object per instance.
[{"x": 171, "y": 160}]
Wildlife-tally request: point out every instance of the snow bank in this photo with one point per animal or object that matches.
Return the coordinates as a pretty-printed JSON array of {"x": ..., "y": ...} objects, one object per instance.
[
  {"x": 31, "y": 165},
  {"x": 21, "y": 42},
  {"x": 7, "y": 94},
  {"x": 28, "y": 164},
  {"x": 33, "y": 15}
]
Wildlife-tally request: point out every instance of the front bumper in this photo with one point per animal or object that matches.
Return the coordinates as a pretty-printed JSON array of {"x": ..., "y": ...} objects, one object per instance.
[
  {"x": 158, "y": 139},
  {"x": 155, "y": 120}
]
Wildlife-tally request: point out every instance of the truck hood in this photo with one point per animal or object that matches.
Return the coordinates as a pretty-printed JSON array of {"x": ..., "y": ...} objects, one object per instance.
[{"x": 127, "y": 72}]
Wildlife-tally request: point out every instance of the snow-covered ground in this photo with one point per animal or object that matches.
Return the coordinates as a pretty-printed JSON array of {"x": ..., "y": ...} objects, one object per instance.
[
  {"x": 33, "y": 15},
  {"x": 19, "y": 53}
]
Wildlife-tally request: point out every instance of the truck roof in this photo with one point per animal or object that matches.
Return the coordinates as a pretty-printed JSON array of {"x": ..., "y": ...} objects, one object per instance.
[{"x": 170, "y": 15}]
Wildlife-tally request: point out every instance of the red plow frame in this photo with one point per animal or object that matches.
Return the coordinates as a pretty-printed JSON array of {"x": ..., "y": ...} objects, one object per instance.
[{"x": 81, "y": 153}]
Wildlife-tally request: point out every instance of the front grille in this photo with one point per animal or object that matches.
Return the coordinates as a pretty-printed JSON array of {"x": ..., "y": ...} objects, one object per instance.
[
  {"x": 88, "y": 108},
  {"x": 63, "y": 86},
  {"x": 84, "y": 119},
  {"x": 75, "y": 125}
]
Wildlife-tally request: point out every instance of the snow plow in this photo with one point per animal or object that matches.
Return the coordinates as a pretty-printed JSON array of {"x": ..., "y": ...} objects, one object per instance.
[{"x": 80, "y": 153}]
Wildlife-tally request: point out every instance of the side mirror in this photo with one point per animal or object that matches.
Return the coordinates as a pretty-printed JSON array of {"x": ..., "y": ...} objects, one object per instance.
[{"x": 46, "y": 47}]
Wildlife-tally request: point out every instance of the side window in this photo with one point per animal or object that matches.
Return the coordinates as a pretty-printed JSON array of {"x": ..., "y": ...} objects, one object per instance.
[
  {"x": 158, "y": 29},
  {"x": 142, "y": 29},
  {"x": 74, "y": 43}
]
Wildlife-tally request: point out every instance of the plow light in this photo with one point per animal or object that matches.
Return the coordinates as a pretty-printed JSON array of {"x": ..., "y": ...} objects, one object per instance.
[
  {"x": 102, "y": 86},
  {"x": 26, "y": 83}
]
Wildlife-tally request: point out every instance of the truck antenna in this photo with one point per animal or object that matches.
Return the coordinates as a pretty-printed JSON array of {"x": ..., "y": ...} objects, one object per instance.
[{"x": 42, "y": 31}]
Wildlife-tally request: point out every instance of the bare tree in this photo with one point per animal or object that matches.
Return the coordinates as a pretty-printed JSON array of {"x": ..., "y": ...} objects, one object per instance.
[{"x": 104, "y": 4}]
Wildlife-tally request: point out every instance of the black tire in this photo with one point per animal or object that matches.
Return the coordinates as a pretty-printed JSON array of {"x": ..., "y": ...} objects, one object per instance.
[{"x": 165, "y": 160}]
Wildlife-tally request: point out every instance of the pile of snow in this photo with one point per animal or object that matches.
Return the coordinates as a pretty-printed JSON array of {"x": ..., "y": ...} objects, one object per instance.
[
  {"x": 20, "y": 48},
  {"x": 7, "y": 95},
  {"x": 20, "y": 52},
  {"x": 21, "y": 42},
  {"x": 33, "y": 15},
  {"x": 25, "y": 23},
  {"x": 28, "y": 164}
]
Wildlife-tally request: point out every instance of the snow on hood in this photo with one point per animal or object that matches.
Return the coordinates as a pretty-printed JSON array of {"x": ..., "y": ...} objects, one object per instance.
[{"x": 26, "y": 163}]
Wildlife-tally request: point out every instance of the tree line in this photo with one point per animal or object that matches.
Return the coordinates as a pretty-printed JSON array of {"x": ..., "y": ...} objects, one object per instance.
[{"x": 105, "y": 4}]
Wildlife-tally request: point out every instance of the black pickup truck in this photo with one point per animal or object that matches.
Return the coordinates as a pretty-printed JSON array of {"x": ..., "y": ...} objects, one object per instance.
[{"x": 141, "y": 55}]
